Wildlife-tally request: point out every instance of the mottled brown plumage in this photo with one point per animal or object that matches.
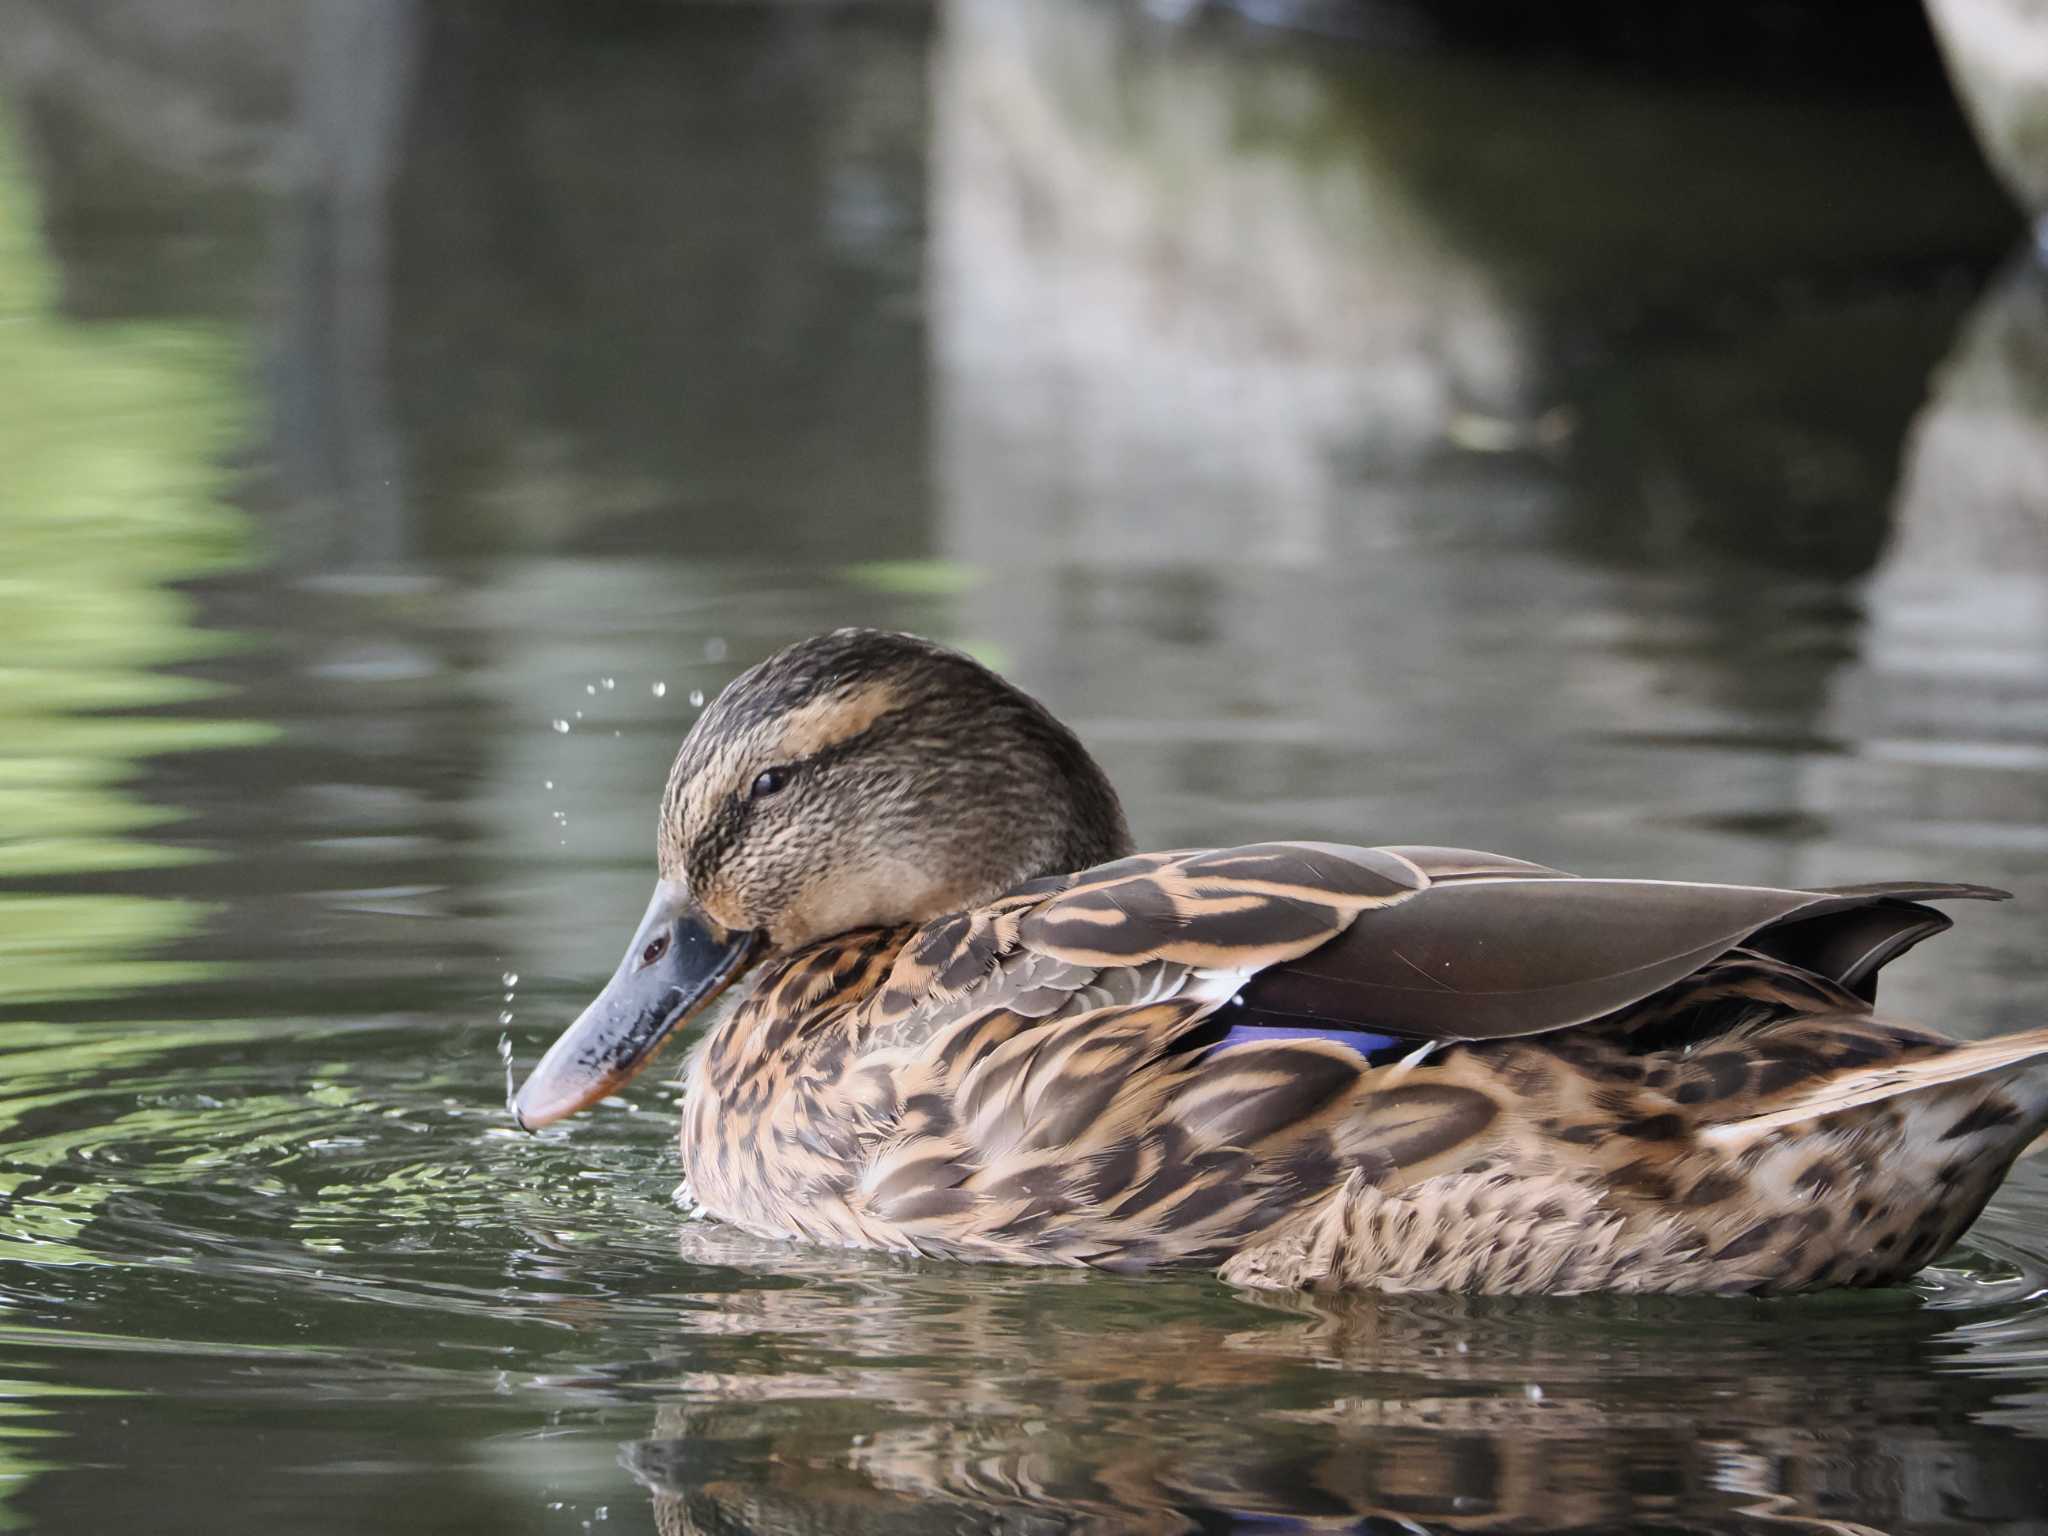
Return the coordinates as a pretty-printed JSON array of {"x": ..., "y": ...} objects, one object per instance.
[{"x": 1304, "y": 1064}]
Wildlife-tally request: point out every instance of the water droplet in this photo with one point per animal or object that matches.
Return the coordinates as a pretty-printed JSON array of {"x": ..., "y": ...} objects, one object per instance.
[
  {"x": 608, "y": 683},
  {"x": 547, "y": 783},
  {"x": 590, "y": 688},
  {"x": 510, "y": 995},
  {"x": 661, "y": 690},
  {"x": 511, "y": 979},
  {"x": 505, "y": 1017},
  {"x": 561, "y": 727},
  {"x": 714, "y": 649},
  {"x": 696, "y": 698},
  {"x": 579, "y": 714}
]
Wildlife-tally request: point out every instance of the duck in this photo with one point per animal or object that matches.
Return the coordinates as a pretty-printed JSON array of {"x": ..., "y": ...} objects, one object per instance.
[{"x": 979, "y": 1025}]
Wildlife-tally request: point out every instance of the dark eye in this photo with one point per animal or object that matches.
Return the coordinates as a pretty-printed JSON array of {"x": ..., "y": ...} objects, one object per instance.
[
  {"x": 767, "y": 782},
  {"x": 656, "y": 948}
]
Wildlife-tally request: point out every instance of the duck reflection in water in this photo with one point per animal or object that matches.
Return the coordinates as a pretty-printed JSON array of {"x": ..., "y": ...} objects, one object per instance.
[{"x": 846, "y": 1404}]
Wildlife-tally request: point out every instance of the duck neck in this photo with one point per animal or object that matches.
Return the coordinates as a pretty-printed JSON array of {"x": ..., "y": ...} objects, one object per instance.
[{"x": 1089, "y": 818}]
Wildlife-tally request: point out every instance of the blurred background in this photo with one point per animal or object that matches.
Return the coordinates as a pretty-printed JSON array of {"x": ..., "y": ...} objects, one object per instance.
[{"x": 1613, "y": 436}]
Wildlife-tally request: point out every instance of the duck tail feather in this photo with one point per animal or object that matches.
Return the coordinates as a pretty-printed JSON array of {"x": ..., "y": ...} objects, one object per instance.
[{"x": 1888, "y": 1080}]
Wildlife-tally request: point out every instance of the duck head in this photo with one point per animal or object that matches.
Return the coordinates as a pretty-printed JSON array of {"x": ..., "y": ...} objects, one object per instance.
[{"x": 855, "y": 780}]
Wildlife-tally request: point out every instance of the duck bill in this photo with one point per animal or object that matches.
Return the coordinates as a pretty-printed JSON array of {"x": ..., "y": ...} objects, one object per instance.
[{"x": 694, "y": 960}]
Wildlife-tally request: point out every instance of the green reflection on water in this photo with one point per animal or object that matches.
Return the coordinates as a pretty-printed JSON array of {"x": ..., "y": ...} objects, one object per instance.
[
  {"x": 22, "y": 1403},
  {"x": 915, "y": 578},
  {"x": 112, "y": 438}
]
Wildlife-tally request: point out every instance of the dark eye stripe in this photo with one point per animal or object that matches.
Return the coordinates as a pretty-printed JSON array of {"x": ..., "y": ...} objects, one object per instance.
[{"x": 728, "y": 821}]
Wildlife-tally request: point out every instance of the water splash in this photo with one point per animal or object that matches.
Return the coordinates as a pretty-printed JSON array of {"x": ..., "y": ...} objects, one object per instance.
[{"x": 505, "y": 1056}]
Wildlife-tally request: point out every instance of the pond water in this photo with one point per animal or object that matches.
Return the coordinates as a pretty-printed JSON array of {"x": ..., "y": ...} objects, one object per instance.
[{"x": 411, "y": 414}]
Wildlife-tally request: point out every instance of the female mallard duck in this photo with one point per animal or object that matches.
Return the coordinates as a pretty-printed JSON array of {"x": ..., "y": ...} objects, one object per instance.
[{"x": 984, "y": 1028}]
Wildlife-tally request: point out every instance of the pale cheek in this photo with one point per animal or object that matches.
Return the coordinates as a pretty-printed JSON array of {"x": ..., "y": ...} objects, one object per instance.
[
  {"x": 881, "y": 894},
  {"x": 747, "y": 893},
  {"x": 721, "y": 907}
]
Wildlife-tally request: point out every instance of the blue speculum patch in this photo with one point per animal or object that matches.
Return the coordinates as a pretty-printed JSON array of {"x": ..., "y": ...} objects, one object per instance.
[{"x": 1372, "y": 1047}]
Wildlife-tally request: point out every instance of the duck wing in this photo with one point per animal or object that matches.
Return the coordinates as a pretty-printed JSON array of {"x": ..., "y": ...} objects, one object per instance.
[
  {"x": 1150, "y": 1062},
  {"x": 1446, "y": 944}
]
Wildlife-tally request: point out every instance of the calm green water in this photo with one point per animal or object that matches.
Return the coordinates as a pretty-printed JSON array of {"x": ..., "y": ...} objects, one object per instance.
[{"x": 407, "y": 414}]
